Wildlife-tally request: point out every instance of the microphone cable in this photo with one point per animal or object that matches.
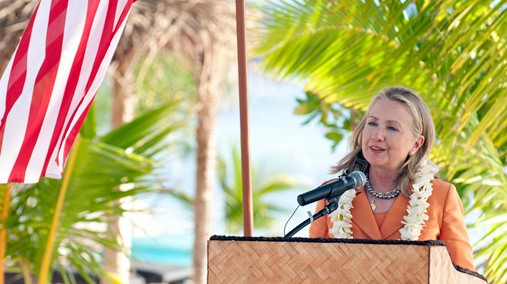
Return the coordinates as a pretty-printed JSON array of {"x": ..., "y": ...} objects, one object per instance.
[{"x": 290, "y": 217}]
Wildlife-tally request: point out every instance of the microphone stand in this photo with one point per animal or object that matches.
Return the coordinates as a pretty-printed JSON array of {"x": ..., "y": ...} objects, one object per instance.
[{"x": 332, "y": 206}]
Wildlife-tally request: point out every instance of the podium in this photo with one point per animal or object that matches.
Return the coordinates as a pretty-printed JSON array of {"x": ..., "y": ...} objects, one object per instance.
[{"x": 304, "y": 260}]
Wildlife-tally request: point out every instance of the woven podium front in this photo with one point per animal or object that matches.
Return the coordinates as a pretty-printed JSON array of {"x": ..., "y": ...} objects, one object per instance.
[{"x": 279, "y": 260}]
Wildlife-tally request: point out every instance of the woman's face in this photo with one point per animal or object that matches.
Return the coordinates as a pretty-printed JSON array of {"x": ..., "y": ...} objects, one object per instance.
[{"x": 387, "y": 137}]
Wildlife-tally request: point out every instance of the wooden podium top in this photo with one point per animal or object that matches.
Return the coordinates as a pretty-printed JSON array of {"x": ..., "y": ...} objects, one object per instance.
[{"x": 305, "y": 260}]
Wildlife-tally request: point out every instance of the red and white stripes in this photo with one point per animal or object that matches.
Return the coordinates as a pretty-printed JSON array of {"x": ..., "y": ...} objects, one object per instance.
[{"x": 50, "y": 82}]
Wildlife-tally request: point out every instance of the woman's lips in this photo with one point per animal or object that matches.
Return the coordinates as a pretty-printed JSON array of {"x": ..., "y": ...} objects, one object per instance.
[{"x": 376, "y": 149}]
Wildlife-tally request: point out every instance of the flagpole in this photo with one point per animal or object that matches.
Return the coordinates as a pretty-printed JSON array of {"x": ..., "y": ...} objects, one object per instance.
[{"x": 243, "y": 115}]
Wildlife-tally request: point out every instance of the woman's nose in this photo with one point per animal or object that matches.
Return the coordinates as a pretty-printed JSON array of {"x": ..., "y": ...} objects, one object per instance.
[{"x": 378, "y": 134}]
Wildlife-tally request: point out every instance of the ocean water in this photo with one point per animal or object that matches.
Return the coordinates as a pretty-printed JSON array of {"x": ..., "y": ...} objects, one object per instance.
[{"x": 164, "y": 249}]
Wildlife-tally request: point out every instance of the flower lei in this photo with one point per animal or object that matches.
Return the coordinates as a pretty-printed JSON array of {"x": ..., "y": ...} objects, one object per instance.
[{"x": 413, "y": 222}]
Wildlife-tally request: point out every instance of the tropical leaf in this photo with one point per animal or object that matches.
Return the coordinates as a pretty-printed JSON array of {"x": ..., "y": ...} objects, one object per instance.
[
  {"x": 453, "y": 53},
  {"x": 230, "y": 180},
  {"x": 117, "y": 166}
]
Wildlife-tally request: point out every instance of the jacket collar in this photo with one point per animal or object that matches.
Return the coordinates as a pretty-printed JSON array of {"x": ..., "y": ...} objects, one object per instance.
[{"x": 362, "y": 216}]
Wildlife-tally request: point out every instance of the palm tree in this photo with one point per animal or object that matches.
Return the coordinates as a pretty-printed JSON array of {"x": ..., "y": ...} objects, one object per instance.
[
  {"x": 123, "y": 158},
  {"x": 453, "y": 52},
  {"x": 203, "y": 32}
]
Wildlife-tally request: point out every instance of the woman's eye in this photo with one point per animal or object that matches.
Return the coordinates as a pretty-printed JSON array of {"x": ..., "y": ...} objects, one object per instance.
[
  {"x": 372, "y": 123},
  {"x": 392, "y": 128}
]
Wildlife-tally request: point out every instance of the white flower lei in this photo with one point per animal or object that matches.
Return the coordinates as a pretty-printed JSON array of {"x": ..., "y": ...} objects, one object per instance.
[
  {"x": 341, "y": 217},
  {"x": 416, "y": 209}
]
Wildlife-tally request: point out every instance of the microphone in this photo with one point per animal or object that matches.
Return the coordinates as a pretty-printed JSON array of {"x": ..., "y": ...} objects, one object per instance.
[{"x": 355, "y": 180}]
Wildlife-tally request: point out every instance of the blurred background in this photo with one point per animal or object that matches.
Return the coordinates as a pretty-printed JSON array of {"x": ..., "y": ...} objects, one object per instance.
[
  {"x": 280, "y": 146},
  {"x": 159, "y": 168}
]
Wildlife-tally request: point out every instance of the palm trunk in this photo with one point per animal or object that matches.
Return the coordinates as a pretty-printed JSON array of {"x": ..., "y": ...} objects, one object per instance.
[
  {"x": 205, "y": 177},
  {"x": 210, "y": 84},
  {"x": 116, "y": 263}
]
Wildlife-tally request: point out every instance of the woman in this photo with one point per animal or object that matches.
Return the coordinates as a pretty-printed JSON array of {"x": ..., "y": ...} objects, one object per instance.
[{"x": 402, "y": 199}]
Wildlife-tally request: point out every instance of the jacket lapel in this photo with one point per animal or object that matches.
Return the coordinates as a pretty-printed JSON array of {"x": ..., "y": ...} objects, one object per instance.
[
  {"x": 392, "y": 223},
  {"x": 362, "y": 216}
]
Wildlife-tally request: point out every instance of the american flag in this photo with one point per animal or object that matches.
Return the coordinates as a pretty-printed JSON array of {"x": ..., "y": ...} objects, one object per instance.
[{"x": 50, "y": 82}]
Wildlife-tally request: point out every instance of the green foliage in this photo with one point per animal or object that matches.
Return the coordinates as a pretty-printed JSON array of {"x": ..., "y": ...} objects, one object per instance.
[
  {"x": 118, "y": 165},
  {"x": 337, "y": 119},
  {"x": 453, "y": 53},
  {"x": 154, "y": 79},
  {"x": 264, "y": 211},
  {"x": 230, "y": 181},
  {"x": 164, "y": 80}
]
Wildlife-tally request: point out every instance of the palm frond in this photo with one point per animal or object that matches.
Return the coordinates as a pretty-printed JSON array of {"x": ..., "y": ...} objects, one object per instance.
[
  {"x": 452, "y": 52},
  {"x": 230, "y": 177},
  {"x": 106, "y": 172}
]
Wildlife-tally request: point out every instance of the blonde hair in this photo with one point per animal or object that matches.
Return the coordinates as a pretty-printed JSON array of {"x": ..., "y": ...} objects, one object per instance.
[{"x": 422, "y": 124}]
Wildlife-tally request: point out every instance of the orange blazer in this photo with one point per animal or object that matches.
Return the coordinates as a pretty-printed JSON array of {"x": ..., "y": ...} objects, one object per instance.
[{"x": 445, "y": 223}]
